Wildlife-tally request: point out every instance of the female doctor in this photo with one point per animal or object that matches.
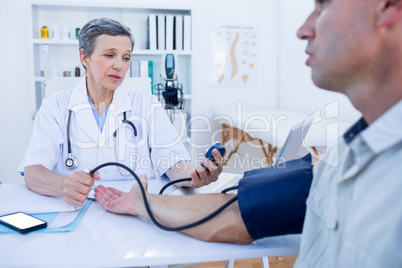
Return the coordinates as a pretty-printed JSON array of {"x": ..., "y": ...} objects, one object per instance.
[{"x": 100, "y": 121}]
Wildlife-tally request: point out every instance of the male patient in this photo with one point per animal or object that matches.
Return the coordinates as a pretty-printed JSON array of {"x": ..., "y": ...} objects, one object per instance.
[{"x": 354, "y": 209}]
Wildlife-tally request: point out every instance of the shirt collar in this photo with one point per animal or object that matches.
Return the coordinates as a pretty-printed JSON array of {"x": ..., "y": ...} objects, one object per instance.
[
  {"x": 386, "y": 131},
  {"x": 355, "y": 130},
  {"x": 79, "y": 99}
]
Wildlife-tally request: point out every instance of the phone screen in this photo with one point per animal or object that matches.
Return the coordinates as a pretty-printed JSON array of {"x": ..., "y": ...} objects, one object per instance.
[{"x": 22, "y": 222}]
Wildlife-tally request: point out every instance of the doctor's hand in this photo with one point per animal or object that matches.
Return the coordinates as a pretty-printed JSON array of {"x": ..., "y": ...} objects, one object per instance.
[
  {"x": 77, "y": 187},
  {"x": 120, "y": 202},
  {"x": 201, "y": 176}
]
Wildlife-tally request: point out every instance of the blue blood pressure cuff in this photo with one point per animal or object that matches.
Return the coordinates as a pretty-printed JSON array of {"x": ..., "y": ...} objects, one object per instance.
[{"x": 272, "y": 200}]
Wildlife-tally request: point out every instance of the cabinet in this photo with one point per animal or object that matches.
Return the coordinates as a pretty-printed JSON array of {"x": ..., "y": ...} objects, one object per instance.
[{"x": 50, "y": 58}]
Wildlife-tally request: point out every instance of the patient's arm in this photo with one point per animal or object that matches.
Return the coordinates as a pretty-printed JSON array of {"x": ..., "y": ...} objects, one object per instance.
[{"x": 172, "y": 211}]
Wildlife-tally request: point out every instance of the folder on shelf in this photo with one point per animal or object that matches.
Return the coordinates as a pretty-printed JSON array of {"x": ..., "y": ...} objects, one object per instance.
[
  {"x": 135, "y": 68},
  {"x": 187, "y": 32},
  {"x": 128, "y": 73},
  {"x": 169, "y": 32},
  {"x": 178, "y": 32},
  {"x": 161, "y": 32},
  {"x": 144, "y": 69},
  {"x": 152, "y": 32},
  {"x": 151, "y": 74}
]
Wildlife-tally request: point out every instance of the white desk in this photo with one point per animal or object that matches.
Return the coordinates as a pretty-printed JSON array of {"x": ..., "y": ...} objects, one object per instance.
[
  {"x": 109, "y": 240},
  {"x": 104, "y": 239}
]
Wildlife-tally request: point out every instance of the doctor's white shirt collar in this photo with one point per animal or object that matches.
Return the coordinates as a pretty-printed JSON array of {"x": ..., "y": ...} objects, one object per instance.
[{"x": 79, "y": 99}]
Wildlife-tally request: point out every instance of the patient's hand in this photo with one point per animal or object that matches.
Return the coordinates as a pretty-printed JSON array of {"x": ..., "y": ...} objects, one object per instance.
[{"x": 120, "y": 202}]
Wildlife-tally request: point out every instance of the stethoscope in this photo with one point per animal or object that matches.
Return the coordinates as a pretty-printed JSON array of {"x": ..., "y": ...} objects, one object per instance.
[{"x": 71, "y": 161}]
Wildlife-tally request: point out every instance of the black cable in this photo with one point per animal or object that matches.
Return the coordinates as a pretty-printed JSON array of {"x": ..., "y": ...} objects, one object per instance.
[
  {"x": 151, "y": 216},
  {"x": 229, "y": 189},
  {"x": 68, "y": 132},
  {"x": 171, "y": 183},
  {"x": 132, "y": 126},
  {"x": 130, "y": 123}
]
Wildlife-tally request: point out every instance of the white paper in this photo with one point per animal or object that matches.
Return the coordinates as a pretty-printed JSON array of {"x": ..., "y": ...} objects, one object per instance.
[
  {"x": 63, "y": 219},
  {"x": 17, "y": 197}
]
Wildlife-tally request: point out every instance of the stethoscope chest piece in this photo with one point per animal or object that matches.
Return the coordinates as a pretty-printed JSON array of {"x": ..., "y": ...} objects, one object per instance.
[{"x": 71, "y": 162}]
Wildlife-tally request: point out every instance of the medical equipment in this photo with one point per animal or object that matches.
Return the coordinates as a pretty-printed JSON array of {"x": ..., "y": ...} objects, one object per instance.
[
  {"x": 208, "y": 154},
  {"x": 169, "y": 66},
  {"x": 171, "y": 90},
  {"x": 115, "y": 140},
  {"x": 151, "y": 216},
  {"x": 71, "y": 161},
  {"x": 219, "y": 147}
]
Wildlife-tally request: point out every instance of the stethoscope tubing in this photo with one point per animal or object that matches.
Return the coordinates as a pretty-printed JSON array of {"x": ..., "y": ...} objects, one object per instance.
[
  {"x": 148, "y": 209},
  {"x": 71, "y": 161}
]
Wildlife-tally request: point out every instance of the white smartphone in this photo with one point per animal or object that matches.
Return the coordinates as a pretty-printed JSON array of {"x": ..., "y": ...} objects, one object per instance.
[{"x": 22, "y": 222}]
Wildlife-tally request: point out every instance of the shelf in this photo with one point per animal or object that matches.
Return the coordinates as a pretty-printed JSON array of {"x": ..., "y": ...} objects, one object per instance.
[
  {"x": 40, "y": 41},
  {"x": 42, "y": 79},
  {"x": 39, "y": 79},
  {"x": 74, "y": 42},
  {"x": 161, "y": 52},
  {"x": 62, "y": 55}
]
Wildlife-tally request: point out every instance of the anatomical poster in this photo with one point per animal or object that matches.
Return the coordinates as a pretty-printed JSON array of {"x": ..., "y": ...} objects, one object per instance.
[{"x": 234, "y": 56}]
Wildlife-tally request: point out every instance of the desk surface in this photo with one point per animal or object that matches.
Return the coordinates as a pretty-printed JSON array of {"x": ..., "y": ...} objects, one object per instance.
[{"x": 104, "y": 239}]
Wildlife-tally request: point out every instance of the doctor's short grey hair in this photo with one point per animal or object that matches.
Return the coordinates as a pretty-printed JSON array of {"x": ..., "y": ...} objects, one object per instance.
[{"x": 97, "y": 27}]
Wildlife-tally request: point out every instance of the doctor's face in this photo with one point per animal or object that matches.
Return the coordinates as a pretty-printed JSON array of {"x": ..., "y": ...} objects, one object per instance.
[
  {"x": 109, "y": 61},
  {"x": 342, "y": 42}
]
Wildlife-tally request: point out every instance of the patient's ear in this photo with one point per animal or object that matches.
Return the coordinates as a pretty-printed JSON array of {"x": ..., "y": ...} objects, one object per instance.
[{"x": 390, "y": 11}]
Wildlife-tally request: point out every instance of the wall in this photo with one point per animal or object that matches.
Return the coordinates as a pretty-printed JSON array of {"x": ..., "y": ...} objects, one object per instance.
[
  {"x": 206, "y": 99},
  {"x": 16, "y": 101},
  {"x": 297, "y": 91},
  {"x": 284, "y": 80}
]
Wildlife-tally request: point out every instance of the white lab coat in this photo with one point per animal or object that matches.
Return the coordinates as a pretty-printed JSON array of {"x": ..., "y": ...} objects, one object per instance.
[{"x": 156, "y": 140}]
